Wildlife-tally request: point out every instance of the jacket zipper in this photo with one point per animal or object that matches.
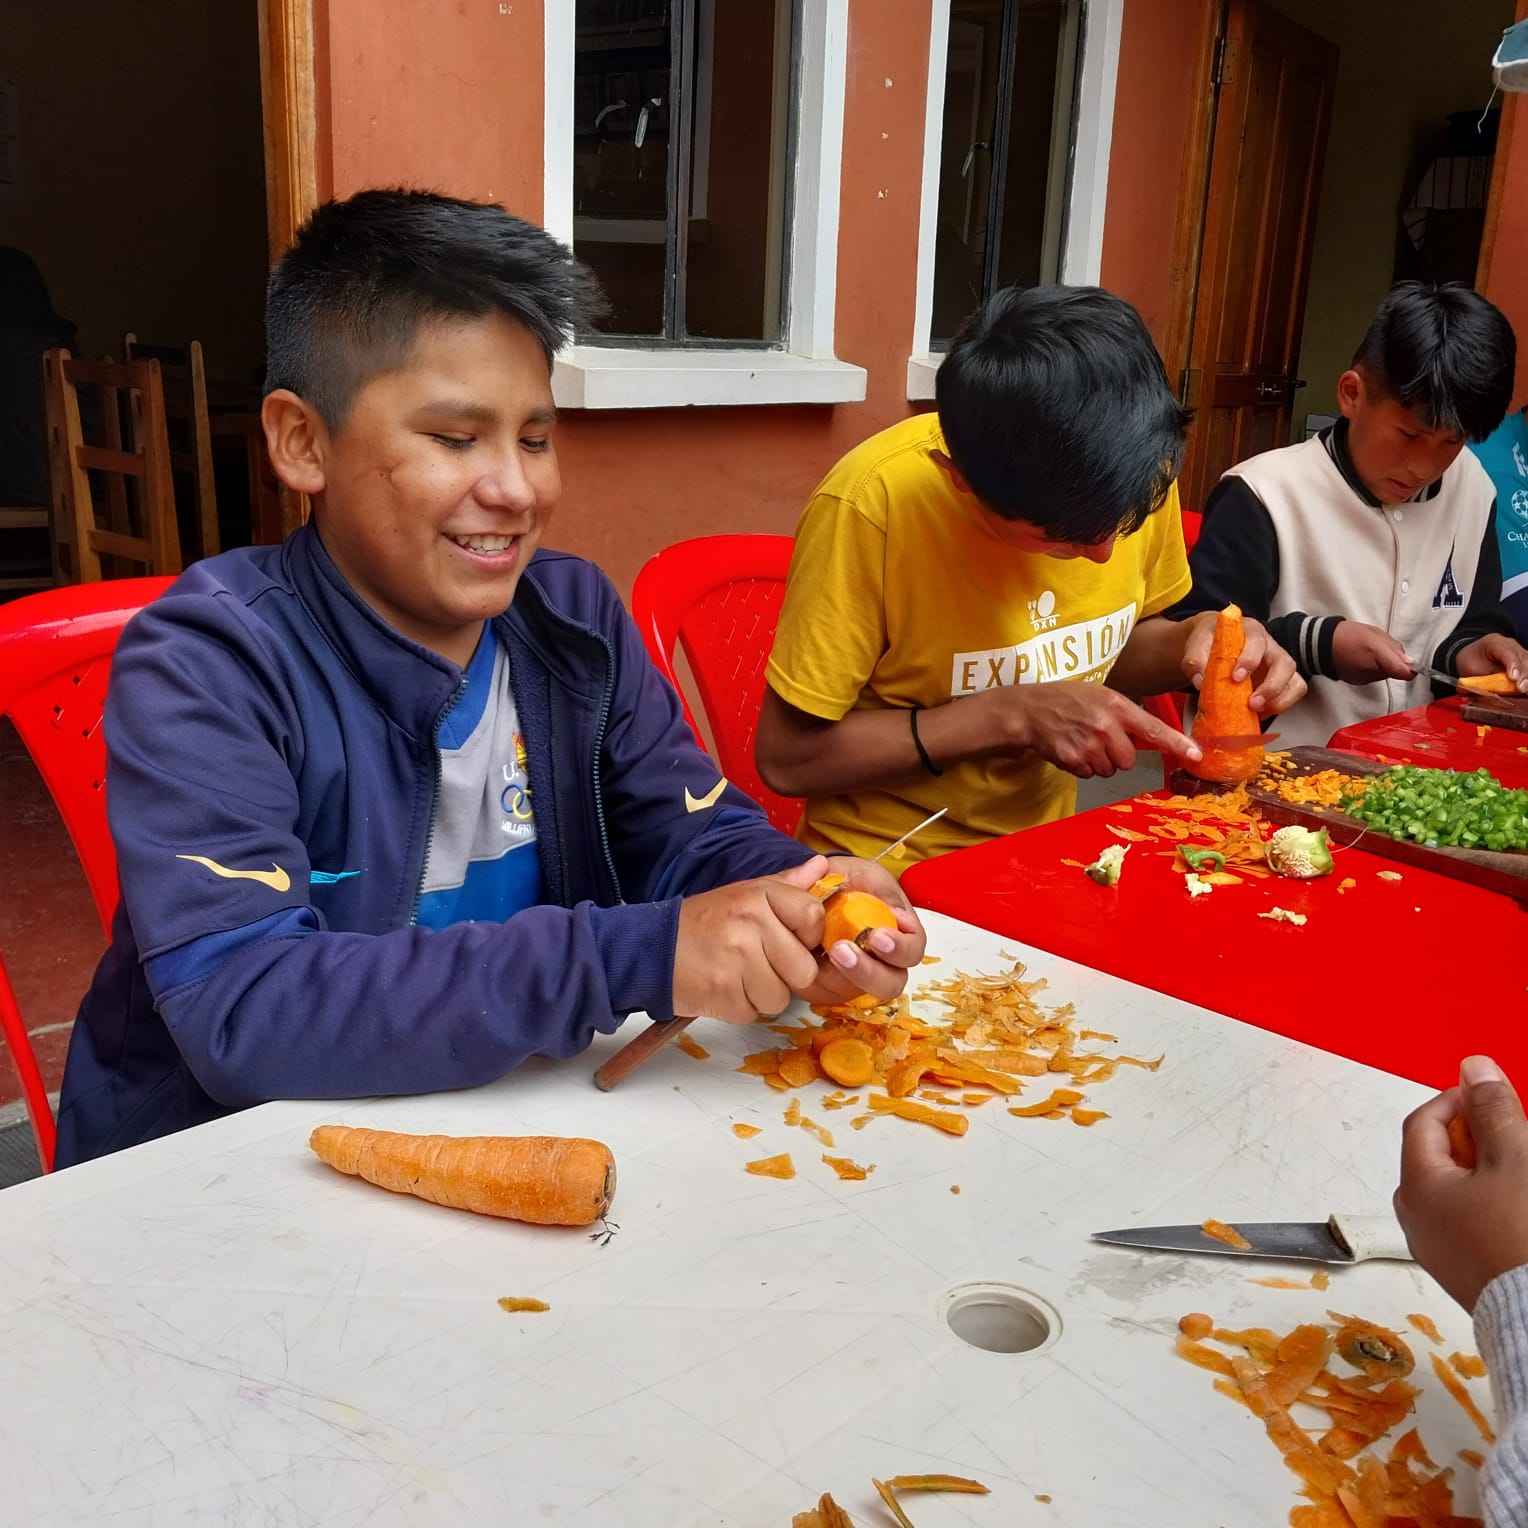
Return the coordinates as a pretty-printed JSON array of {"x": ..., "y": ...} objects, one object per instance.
[
  {"x": 599, "y": 747},
  {"x": 429, "y": 837}
]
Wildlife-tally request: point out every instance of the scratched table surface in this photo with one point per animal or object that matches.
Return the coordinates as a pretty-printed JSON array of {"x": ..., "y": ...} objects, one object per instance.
[
  {"x": 216, "y": 1328},
  {"x": 1436, "y": 736}
]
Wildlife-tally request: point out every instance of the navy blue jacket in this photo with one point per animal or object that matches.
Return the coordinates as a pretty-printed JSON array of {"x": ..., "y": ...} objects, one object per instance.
[{"x": 272, "y": 767}]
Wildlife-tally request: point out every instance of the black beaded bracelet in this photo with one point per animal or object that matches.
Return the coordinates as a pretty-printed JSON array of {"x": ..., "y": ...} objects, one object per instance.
[{"x": 928, "y": 763}]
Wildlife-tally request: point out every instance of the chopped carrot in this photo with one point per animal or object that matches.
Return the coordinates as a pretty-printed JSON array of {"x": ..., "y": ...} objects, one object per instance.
[
  {"x": 1319, "y": 1279},
  {"x": 1427, "y": 1327},
  {"x": 848, "y": 1172},
  {"x": 773, "y": 1167},
  {"x": 692, "y": 1048},
  {"x": 1455, "y": 1387},
  {"x": 905, "y": 1108},
  {"x": 1087, "y": 1116},
  {"x": 544, "y": 1179},
  {"x": 1227, "y": 1234},
  {"x": 516, "y": 1303},
  {"x": 1472, "y": 1456},
  {"x": 745, "y": 1132},
  {"x": 1468, "y": 1365},
  {"x": 1196, "y": 1325},
  {"x": 1280, "y": 1283}
]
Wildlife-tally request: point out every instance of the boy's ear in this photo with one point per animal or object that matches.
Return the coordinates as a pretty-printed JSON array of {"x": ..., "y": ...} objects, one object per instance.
[
  {"x": 955, "y": 474},
  {"x": 295, "y": 436},
  {"x": 1351, "y": 392}
]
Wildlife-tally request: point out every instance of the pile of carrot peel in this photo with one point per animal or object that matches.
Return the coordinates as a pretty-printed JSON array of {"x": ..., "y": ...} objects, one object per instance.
[
  {"x": 995, "y": 1038},
  {"x": 1357, "y": 1374}
]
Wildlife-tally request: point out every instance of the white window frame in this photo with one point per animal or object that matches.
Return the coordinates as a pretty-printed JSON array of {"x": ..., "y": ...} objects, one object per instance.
[
  {"x": 1093, "y": 131},
  {"x": 805, "y": 369}
]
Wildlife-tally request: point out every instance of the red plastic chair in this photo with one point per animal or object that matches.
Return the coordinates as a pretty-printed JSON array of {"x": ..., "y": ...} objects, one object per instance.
[
  {"x": 718, "y": 598},
  {"x": 55, "y": 654}
]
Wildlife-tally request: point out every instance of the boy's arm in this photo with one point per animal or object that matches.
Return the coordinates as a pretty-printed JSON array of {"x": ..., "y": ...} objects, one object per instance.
[
  {"x": 263, "y": 999},
  {"x": 1483, "y": 640}
]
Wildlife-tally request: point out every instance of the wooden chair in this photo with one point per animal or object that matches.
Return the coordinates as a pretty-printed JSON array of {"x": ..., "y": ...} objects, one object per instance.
[
  {"x": 135, "y": 479},
  {"x": 184, "y": 375},
  {"x": 19, "y": 574}
]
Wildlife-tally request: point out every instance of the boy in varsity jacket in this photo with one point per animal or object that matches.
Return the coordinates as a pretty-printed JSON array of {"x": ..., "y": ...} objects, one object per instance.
[
  {"x": 402, "y": 801},
  {"x": 1370, "y": 550}
]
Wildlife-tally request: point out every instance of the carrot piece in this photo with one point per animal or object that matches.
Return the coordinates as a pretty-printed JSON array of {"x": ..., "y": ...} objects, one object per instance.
[
  {"x": 849, "y": 1061},
  {"x": 941, "y": 1119},
  {"x": 1467, "y": 1365},
  {"x": 854, "y": 915},
  {"x": 885, "y": 1494},
  {"x": 547, "y": 1180},
  {"x": 848, "y": 1172},
  {"x": 1375, "y": 1350},
  {"x": 1225, "y": 707},
  {"x": 1472, "y": 1456},
  {"x": 1410, "y": 1446},
  {"x": 798, "y": 1069},
  {"x": 1320, "y": 1279},
  {"x": 1280, "y": 1283},
  {"x": 1302, "y": 1356},
  {"x": 773, "y": 1167},
  {"x": 1455, "y": 1387},
  {"x": 938, "y": 1483},
  {"x": 692, "y": 1048},
  {"x": 745, "y": 1132},
  {"x": 1205, "y": 1358},
  {"x": 828, "y": 1514},
  {"x": 1317, "y": 1469},
  {"x": 516, "y": 1303},
  {"x": 1196, "y": 1325},
  {"x": 1427, "y": 1327},
  {"x": 1461, "y": 1143},
  {"x": 1227, "y": 1234},
  {"x": 1087, "y": 1116},
  {"x": 1488, "y": 684}
]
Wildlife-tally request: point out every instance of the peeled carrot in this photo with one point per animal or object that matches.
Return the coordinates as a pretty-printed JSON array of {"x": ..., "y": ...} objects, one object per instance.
[
  {"x": 548, "y": 1180},
  {"x": 1489, "y": 684},
  {"x": 1224, "y": 708},
  {"x": 854, "y": 915},
  {"x": 1461, "y": 1143}
]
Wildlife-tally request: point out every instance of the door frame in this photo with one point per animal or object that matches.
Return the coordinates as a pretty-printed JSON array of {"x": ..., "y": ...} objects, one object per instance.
[{"x": 288, "y": 99}]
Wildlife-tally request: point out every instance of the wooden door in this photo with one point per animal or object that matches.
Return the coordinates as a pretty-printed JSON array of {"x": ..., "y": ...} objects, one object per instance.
[{"x": 1271, "y": 120}]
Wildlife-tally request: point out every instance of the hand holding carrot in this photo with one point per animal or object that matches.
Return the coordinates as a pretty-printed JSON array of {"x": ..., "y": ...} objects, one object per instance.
[
  {"x": 1276, "y": 682},
  {"x": 747, "y": 949},
  {"x": 881, "y": 967},
  {"x": 1495, "y": 654},
  {"x": 1465, "y": 1225}
]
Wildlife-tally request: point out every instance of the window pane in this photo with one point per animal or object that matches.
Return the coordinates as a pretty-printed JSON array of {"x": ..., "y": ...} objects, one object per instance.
[
  {"x": 1034, "y": 184},
  {"x": 1025, "y": 139},
  {"x": 622, "y": 67},
  {"x": 739, "y": 161}
]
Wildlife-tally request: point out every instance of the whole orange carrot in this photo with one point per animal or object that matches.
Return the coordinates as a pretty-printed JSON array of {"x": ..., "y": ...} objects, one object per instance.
[
  {"x": 1224, "y": 707},
  {"x": 548, "y": 1180}
]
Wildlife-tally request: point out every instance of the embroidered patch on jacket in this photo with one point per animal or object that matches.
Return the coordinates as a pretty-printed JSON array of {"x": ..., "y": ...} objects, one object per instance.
[{"x": 1448, "y": 596}]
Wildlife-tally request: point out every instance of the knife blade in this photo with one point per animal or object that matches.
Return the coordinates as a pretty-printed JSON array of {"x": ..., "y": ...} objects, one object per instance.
[
  {"x": 1228, "y": 742},
  {"x": 1422, "y": 671},
  {"x": 1341, "y": 1239}
]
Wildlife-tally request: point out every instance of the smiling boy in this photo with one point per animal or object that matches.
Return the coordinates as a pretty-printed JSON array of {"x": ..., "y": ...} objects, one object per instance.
[
  {"x": 1371, "y": 548},
  {"x": 402, "y": 801}
]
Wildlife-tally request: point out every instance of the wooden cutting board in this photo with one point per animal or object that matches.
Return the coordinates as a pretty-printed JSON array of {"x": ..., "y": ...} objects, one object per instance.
[
  {"x": 1497, "y": 711},
  {"x": 1495, "y": 871}
]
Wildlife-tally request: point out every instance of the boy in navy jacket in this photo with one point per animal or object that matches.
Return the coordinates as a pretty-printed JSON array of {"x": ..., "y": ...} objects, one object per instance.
[{"x": 402, "y": 801}]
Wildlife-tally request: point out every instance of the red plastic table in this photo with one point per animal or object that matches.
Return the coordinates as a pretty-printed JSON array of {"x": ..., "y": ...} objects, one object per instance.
[
  {"x": 1404, "y": 975},
  {"x": 1436, "y": 736}
]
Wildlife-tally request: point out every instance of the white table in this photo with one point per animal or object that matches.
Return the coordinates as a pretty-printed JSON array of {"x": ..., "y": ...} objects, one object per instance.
[{"x": 217, "y": 1328}]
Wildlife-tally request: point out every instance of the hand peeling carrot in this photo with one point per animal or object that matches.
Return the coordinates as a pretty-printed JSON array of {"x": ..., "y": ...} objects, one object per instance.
[{"x": 546, "y": 1180}]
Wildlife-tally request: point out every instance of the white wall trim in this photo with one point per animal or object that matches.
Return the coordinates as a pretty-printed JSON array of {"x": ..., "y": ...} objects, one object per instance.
[
  {"x": 604, "y": 377},
  {"x": 1082, "y": 259},
  {"x": 599, "y": 377},
  {"x": 920, "y": 366},
  {"x": 557, "y": 120}
]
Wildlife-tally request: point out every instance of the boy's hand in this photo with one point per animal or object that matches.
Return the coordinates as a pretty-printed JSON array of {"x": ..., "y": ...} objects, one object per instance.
[
  {"x": 1364, "y": 654},
  {"x": 747, "y": 949},
  {"x": 1276, "y": 682},
  {"x": 1495, "y": 654},
  {"x": 1087, "y": 729},
  {"x": 845, "y": 971},
  {"x": 1465, "y": 1226}
]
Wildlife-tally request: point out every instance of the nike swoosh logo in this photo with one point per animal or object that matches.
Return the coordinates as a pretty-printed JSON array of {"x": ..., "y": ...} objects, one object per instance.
[
  {"x": 711, "y": 797},
  {"x": 276, "y": 878}
]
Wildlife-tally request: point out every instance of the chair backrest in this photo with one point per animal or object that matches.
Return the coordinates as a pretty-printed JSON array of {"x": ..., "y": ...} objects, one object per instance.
[
  {"x": 718, "y": 598},
  {"x": 135, "y": 473},
  {"x": 183, "y": 373},
  {"x": 55, "y": 654}
]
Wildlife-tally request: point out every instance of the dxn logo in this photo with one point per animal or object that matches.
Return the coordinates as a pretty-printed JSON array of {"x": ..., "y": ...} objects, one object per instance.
[{"x": 1042, "y": 611}]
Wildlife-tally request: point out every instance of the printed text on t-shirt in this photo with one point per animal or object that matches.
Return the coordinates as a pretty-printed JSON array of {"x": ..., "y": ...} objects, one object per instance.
[{"x": 1083, "y": 650}]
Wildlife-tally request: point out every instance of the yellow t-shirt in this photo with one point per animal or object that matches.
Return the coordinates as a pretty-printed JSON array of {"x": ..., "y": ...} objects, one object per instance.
[{"x": 901, "y": 595}]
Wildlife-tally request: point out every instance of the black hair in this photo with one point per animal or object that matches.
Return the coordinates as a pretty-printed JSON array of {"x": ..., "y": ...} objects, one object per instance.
[
  {"x": 345, "y": 302},
  {"x": 1444, "y": 352},
  {"x": 1056, "y": 409}
]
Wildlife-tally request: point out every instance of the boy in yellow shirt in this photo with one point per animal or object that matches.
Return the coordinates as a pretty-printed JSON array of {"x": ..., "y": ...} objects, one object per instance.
[{"x": 975, "y": 593}]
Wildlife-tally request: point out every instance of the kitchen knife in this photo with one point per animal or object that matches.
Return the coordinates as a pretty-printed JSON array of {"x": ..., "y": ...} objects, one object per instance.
[
  {"x": 1226, "y": 742},
  {"x": 1342, "y": 1239},
  {"x": 1422, "y": 671}
]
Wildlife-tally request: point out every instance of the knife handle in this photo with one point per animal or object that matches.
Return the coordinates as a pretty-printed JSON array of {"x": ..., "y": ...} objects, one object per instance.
[{"x": 1371, "y": 1236}]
